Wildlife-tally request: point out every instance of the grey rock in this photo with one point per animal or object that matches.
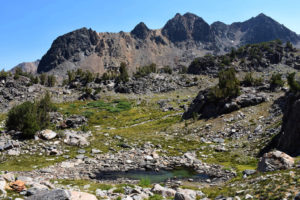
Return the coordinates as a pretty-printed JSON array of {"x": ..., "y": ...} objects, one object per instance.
[
  {"x": 56, "y": 194},
  {"x": 275, "y": 160}
]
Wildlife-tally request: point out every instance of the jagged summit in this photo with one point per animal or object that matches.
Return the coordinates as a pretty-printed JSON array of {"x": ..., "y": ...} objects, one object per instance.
[
  {"x": 183, "y": 38},
  {"x": 186, "y": 27},
  {"x": 140, "y": 31}
]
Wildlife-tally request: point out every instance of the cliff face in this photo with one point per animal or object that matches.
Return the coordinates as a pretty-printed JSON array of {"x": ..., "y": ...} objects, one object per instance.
[
  {"x": 288, "y": 140},
  {"x": 182, "y": 39}
]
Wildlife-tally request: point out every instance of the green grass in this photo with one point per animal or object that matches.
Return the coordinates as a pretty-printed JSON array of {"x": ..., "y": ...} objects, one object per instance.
[
  {"x": 28, "y": 162},
  {"x": 156, "y": 197},
  {"x": 81, "y": 183},
  {"x": 114, "y": 106},
  {"x": 145, "y": 182}
]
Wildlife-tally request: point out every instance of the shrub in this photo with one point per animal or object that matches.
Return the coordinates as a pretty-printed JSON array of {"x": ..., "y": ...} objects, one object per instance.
[
  {"x": 79, "y": 73},
  {"x": 225, "y": 60},
  {"x": 289, "y": 46},
  {"x": 88, "y": 77},
  {"x": 23, "y": 118},
  {"x": 35, "y": 80},
  {"x": 51, "y": 80},
  {"x": 123, "y": 77},
  {"x": 167, "y": 69},
  {"x": 276, "y": 81},
  {"x": 145, "y": 70},
  {"x": 29, "y": 117},
  {"x": 228, "y": 86},
  {"x": 294, "y": 86},
  {"x": 3, "y": 74},
  {"x": 43, "y": 79},
  {"x": 71, "y": 76},
  {"x": 183, "y": 70},
  {"x": 250, "y": 80}
]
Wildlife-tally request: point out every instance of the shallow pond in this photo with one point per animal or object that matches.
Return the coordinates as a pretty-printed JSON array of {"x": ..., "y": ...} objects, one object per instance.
[{"x": 153, "y": 176}]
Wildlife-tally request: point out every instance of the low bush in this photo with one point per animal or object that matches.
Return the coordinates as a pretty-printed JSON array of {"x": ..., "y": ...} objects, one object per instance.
[
  {"x": 123, "y": 76},
  {"x": 294, "y": 86},
  {"x": 250, "y": 80},
  {"x": 228, "y": 86},
  {"x": 276, "y": 81},
  {"x": 145, "y": 70},
  {"x": 28, "y": 117},
  {"x": 167, "y": 69}
]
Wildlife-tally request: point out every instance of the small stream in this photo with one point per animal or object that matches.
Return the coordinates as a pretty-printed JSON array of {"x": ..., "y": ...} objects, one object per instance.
[{"x": 153, "y": 176}]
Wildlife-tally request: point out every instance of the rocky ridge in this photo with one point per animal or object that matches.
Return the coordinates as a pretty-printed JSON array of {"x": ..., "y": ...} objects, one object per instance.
[{"x": 182, "y": 39}]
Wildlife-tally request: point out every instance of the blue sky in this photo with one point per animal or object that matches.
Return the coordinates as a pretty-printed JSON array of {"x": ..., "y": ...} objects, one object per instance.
[{"x": 28, "y": 27}]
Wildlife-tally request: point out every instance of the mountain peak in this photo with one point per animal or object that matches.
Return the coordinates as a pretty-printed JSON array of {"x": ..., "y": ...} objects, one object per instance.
[
  {"x": 140, "y": 31},
  {"x": 185, "y": 27},
  {"x": 261, "y": 15}
]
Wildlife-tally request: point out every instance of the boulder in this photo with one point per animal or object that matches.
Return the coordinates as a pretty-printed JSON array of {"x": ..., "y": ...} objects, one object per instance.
[
  {"x": 166, "y": 192},
  {"x": 297, "y": 197},
  {"x": 75, "y": 195},
  {"x": 275, "y": 160},
  {"x": 2, "y": 189},
  {"x": 185, "y": 194},
  {"x": 75, "y": 121},
  {"x": 10, "y": 177},
  {"x": 57, "y": 194},
  {"x": 75, "y": 139},
  {"x": 48, "y": 134},
  {"x": 17, "y": 185}
]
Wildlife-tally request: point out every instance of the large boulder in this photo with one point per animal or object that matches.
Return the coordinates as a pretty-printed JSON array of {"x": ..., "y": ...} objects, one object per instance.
[
  {"x": 75, "y": 195},
  {"x": 275, "y": 160},
  {"x": 74, "y": 138},
  {"x": 48, "y": 134},
  {"x": 166, "y": 192},
  {"x": 185, "y": 194},
  {"x": 17, "y": 185},
  {"x": 75, "y": 121},
  {"x": 56, "y": 194},
  {"x": 203, "y": 106}
]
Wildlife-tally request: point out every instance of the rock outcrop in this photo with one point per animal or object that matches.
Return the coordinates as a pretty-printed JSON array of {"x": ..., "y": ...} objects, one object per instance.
[
  {"x": 256, "y": 57},
  {"x": 275, "y": 160},
  {"x": 205, "y": 108},
  {"x": 182, "y": 39},
  {"x": 288, "y": 140}
]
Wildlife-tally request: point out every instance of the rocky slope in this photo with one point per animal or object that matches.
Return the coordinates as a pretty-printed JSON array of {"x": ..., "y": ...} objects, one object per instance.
[
  {"x": 183, "y": 38},
  {"x": 28, "y": 67},
  {"x": 256, "y": 57}
]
